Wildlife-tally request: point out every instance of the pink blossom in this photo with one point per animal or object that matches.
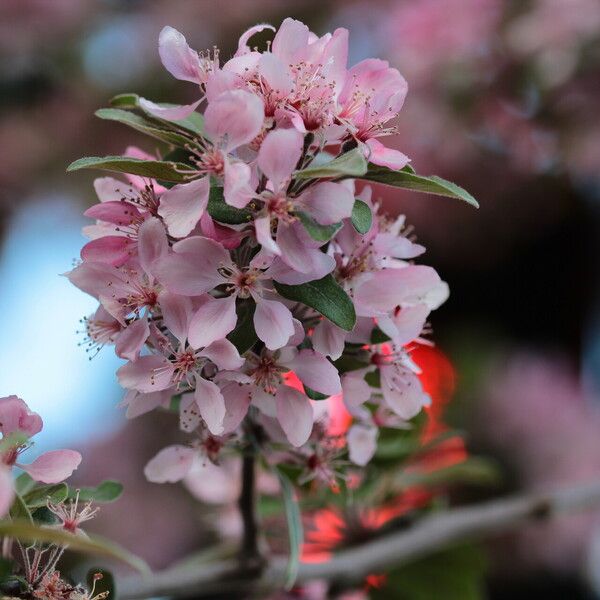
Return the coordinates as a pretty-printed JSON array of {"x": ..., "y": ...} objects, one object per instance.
[{"x": 17, "y": 425}]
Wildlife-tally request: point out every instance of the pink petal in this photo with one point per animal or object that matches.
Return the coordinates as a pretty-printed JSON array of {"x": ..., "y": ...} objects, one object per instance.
[
  {"x": 276, "y": 73},
  {"x": 243, "y": 42},
  {"x": 189, "y": 413},
  {"x": 138, "y": 403},
  {"x": 328, "y": 202},
  {"x": 192, "y": 269},
  {"x": 328, "y": 339},
  {"x": 314, "y": 370},
  {"x": 237, "y": 400},
  {"x": 177, "y": 312},
  {"x": 234, "y": 119},
  {"x": 237, "y": 190},
  {"x": 147, "y": 374},
  {"x": 362, "y": 444},
  {"x": 182, "y": 206},
  {"x": 113, "y": 250},
  {"x": 297, "y": 250},
  {"x": 322, "y": 264},
  {"x": 407, "y": 325},
  {"x": 170, "y": 465},
  {"x": 16, "y": 416},
  {"x": 131, "y": 340},
  {"x": 295, "y": 415},
  {"x": 279, "y": 154},
  {"x": 224, "y": 354},
  {"x": 263, "y": 235},
  {"x": 169, "y": 113},
  {"x": 273, "y": 323},
  {"x": 53, "y": 467},
  {"x": 177, "y": 57},
  {"x": 152, "y": 243},
  {"x": 116, "y": 212},
  {"x": 378, "y": 154},
  {"x": 356, "y": 391},
  {"x": 403, "y": 394},
  {"x": 109, "y": 189},
  {"x": 7, "y": 490},
  {"x": 291, "y": 38},
  {"x": 212, "y": 321},
  {"x": 211, "y": 404},
  {"x": 95, "y": 279}
]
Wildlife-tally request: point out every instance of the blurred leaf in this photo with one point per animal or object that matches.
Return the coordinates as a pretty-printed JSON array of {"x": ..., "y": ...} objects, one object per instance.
[
  {"x": 348, "y": 362},
  {"x": 378, "y": 337},
  {"x": 24, "y": 483},
  {"x": 295, "y": 529},
  {"x": 140, "y": 124},
  {"x": 457, "y": 574},
  {"x": 28, "y": 532},
  {"x": 194, "y": 123},
  {"x": 361, "y": 216},
  {"x": 106, "y": 582},
  {"x": 350, "y": 164},
  {"x": 325, "y": 296},
  {"x": 220, "y": 211},
  {"x": 40, "y": 495},
  {"x": 321, "y": 233},
  {"x": 157, "y": 169},
  {"x": 243, "y": 337},
  {"x": 313, "y": 395},
  {"x": 107, "y": 491},
  {"x": 19, "y": 510},
  {"x": 407, "y": 178}
]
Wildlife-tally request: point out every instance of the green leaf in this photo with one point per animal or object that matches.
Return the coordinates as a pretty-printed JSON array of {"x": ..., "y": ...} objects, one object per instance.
[
  {"x": 141, "y": 124},
  {"x": 157, "y": 169},
  {"x": 407, "y": 178},
  {"x": 107, "y": 491},
  {"x": 350, "y": 164},
  {"x": 457, "y": 574},
  {"x": 194, "y": 123},
  {"x": 24, "y": 483},
  {"x": 295, "y": 529},
  {"x": 220, "y": 211},
  {"x": 22, "y": 530},
  {"x": 378, "y": 337},
  {"x": 101, "y": 580},
  {"x": 243, "y": 337},
  {"x": 325, "y": 296},
  {"x": 361, "y": 216},
  {"x": 347, "y": 363},
  {"x": 19, "y": 510},
  {"x": 321, "y": 233},
  {"x": 43, "y": 494},
  {"x": 313, "y": 395}
]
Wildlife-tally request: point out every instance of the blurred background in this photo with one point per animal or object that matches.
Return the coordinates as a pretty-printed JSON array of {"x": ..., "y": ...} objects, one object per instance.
[{"x": 504, "y": 99}]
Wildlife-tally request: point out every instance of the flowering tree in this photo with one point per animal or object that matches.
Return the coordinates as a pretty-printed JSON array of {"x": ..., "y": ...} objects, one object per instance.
[{"x": 252, "y": 283}]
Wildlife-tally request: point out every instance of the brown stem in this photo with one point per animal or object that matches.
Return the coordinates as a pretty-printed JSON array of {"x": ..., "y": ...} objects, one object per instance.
[{"x": 249, "y": 551}]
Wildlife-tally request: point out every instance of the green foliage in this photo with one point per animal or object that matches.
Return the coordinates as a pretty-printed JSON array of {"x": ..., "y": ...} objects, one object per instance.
[
  {"x": 107, "y": 491},
  {"x": 318, "y": 232},
  {"x": 362, "y": 219},
  {"x": 325, "y": 296},
  {"x": 349, "y": 164},
  {"x": 407, "y": 178},
  {"x": 295, "y": 529},
  {"x": 220, "y": 211},
  {"x": 457, "y": 574},
  {"x": 156, "y": 169},
  {"x": 42, "y": 494},
  {"x": 243, "y": 337}
]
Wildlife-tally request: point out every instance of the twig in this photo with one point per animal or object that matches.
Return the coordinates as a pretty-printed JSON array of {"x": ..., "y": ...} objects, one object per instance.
[
  {"x": 351, "y": 566},
  {"x": 249, "y": 551}
]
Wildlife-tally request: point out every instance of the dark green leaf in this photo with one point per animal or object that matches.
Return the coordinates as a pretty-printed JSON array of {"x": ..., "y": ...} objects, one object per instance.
[
  {"x": 220, "y": 211},
  {"x": 295, "y": 530},
  {"x": 457, "y": 574},
  {"x": 348, "y": 362},
  {"x": 324, "y": 295},
  {"x": 243, "y": 337},
  {"x": 313, "y": 395},
  {"x": 157, "y": 169},
  {"x": 107, "y": 491},
  {"x": 19, "y": 510},
  {"x": 321, "y": 233},
  {"x": 361, "y": 216},
  {"x": 141, "y": 124},
  {"x": 350, "y": 164},
  {"x": 406, "y": 178},
  {"x": 378, "y": 337},
  {"x": 22, "y": 530},
  {"x": 101, "y": 580},
  {"x": 43, "y": 494}
]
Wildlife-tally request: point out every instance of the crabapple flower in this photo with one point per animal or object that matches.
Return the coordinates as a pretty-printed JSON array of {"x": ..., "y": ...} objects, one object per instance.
[{"x": 18, "y": 425}]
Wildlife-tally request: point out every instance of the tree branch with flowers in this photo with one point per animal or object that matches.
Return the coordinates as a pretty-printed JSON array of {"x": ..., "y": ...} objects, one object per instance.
[{"x": 254, "y": 286}]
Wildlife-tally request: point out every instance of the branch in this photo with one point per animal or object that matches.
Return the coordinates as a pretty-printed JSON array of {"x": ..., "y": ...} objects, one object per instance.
[
  {"x": 391, "y": 550},
  {"x": 249, "y": 552}
]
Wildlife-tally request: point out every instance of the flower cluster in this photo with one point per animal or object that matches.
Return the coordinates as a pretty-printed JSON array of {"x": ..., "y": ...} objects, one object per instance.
[{"x": 245, "y": 275}]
